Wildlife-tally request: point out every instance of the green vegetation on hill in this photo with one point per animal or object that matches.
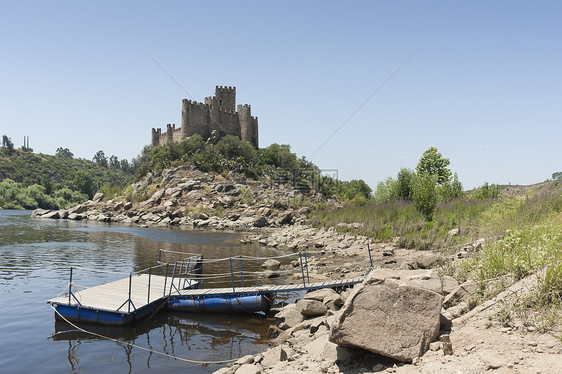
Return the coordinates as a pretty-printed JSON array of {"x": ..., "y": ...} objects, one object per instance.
[
  {"x": 275, "y": 162},
  {"x": 29, "y": 181}
]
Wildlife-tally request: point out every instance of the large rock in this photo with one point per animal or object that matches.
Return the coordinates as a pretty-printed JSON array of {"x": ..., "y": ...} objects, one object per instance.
[
  {"x": 427, "y": 260},
  {"x": 311, "y": 308},
  {"x": 450, "y": 284},
  {"x": 321, "y": 294},
  {"x": 98, "y": 197},
  {"x": 200, "y": 215},
  {"x": 55, "y": 215},
  {"x": 271, "y": 264},
  {"x": 326, "y": 296},
  {"x": 427, "y": 279},
  {"x": 39, "y": 212},
  {"x": 189, "y": 185},
  {"x": 273, "y": 356},
  {"x": 260, "y": 222},
  {"x": 173, "y": 191},
  {"x": 461, "y": 293},
  {"x": 156, "y": 197},
  {"x": 289, "y": 317},
  {"x": 390, "y": 318},
  {"x": 78, "y": 209},
  {"x": 249, "y": 369},
  {"x": 285, "y": 218}
]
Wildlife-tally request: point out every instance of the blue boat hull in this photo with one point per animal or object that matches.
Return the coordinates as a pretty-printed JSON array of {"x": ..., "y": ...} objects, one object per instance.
[
  {"x": 227, "y": 304},
  {"x": 74, "y": 313}
]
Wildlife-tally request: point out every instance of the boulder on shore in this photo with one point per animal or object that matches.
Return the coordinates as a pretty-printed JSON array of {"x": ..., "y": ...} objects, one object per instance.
[
  {"x": 289, "y": 317},
  {"x": 271, "y": 264},
  {"x": 98, "y": 197},
  {"x": 389, "y": 317},
  {"x": 461, "y": 293},
  {"x": 311, "y": 308}
]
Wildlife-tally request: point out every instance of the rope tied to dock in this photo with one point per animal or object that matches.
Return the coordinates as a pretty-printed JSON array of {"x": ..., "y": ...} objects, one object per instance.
[{"x": 194, "y": 362}]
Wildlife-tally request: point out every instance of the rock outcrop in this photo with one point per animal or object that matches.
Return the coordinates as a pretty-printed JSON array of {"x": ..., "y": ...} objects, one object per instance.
[
  {"x": 389, "y": 317},
  {"x": 186, "y": 196}
]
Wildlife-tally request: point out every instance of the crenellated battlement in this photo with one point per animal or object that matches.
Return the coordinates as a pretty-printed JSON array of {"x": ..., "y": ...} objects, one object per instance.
[
  {"x": 217, "y": 113},
  {"x": 225, "y": 88}
]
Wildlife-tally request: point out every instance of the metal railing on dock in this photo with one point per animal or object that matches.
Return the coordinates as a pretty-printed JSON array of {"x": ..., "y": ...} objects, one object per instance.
[{"x": 230, "y": 275}]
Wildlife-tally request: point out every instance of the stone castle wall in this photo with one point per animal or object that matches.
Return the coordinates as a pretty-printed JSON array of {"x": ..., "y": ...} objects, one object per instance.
[{"x": 218, "y": 113}]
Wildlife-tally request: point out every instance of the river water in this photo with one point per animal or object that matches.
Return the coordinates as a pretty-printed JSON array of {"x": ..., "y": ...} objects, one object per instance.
[{"x": 35, "y": 259}]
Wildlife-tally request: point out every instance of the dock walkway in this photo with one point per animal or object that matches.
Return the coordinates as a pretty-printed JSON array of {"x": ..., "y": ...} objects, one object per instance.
[
  {"x": 129, "y": 299},
  {"x": 274, "y": 288},
  {"x": 114, "y": 296}
]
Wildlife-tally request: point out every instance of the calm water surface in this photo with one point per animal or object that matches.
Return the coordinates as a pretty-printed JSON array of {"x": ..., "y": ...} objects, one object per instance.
[{"x": 35, "y": 258}]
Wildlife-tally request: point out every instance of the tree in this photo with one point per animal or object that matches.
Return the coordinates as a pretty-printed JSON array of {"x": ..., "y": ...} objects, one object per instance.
[
  {"x": 47, "y": 183},
  {"x": 424, "y": 194},
  {"x": 557, "y": 176},
  {"x": 126, "y": 166},
  {"x": 487, "y": 192},
  {"x": 85, "y": 183},
  {"x": 404, "y": 184},
  {"x": 64, "y": 153},
  {"x": 7, "y": 143},
  {"x": 432, "y": 163},
  {"x": 279, "y": 156},
  {"x": 355, "y": 189},
  {"x": 114, "y": 162},
  {"x": 386, "y": 192},
  {"x": 100, "y": 159},
  {"x": 456, "y": 187}
]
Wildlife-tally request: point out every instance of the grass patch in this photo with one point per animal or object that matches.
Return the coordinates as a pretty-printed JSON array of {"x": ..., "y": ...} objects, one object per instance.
[
  {"x": 475, "y": 218},
  {"x": 523, "y": 236}
]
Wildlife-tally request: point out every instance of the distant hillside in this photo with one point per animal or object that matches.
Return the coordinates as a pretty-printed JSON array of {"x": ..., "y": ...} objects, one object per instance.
[{"x": 29, "y": 180}]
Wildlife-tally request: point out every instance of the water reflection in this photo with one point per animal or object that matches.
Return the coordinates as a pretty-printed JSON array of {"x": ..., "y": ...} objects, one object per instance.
[
  {"x": 35, "y": 259},
  {"x": 220, "y": 337}
]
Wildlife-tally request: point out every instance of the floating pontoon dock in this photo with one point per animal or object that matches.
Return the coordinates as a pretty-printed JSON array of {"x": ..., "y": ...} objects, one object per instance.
[
  {"x": 139, "y": 295},
  {"x": 112, "y": 304},
  {"x": 129, "y": 299}
]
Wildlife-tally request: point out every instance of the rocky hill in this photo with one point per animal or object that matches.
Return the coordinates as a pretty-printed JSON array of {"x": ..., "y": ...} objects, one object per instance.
[{"x": 188, "y": 197}]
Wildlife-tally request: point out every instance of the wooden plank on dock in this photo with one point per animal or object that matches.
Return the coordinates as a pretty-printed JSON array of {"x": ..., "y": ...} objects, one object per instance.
[{"x": 111, "y": 296}]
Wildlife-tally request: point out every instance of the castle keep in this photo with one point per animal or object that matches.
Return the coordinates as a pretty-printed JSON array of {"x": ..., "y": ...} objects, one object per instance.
[{"x": 216, "y": 114}]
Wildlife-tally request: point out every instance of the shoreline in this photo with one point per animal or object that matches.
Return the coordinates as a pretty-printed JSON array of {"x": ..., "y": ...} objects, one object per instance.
[{"x": 472, "y": 338}]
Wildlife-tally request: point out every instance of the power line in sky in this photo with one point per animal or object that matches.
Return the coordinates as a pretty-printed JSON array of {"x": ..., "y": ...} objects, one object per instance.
[
  {"x": 170, "y": 75},
  {"x": 363, "y": 104}
]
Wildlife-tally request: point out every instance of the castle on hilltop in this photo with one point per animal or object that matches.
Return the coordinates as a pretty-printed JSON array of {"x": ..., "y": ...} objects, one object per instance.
[{"x": 216, "y": 114}]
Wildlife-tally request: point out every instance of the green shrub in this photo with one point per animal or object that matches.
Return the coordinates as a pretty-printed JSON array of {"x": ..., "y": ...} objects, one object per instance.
[
  {"x": 386, "y": 191},
  {"x": 487, "y": 192},
  {"x": 424, "y": 194},
  {"x": 404, "y": 184},
  {"x": 354, "y": 189}
]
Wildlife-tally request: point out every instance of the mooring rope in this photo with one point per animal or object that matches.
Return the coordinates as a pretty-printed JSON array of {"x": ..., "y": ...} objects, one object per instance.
[{"x": 195, "y": 362}]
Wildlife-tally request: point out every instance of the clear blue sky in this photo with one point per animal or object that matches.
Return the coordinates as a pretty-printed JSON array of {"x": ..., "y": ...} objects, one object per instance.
[{"x": 484, "y": 84}]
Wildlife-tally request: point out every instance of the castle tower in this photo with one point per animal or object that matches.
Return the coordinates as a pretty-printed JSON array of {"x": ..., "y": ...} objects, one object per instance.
[
  {"x": 225, "y": 98},
  {"x": 248, "y": 125},
  {"x": 218, "y": 114},
  {"x": 186, "y": 129},
  {"x": 156, "y": 137},
  {"x": 170, "y": 133}
]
